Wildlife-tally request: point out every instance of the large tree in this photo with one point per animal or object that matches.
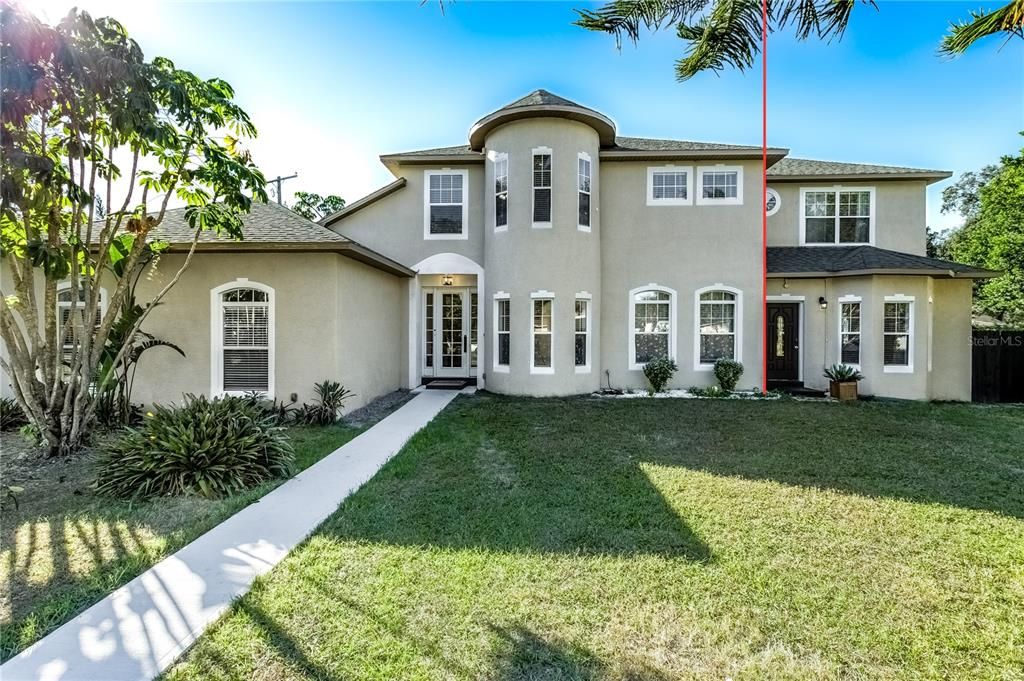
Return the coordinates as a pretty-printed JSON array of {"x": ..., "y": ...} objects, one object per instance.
[
  {"x": 727, "y": 33},
  {"x": 313, "y": 206},
  {"x": 85, "y": 118},
  {"x": 992, "y": 236}
]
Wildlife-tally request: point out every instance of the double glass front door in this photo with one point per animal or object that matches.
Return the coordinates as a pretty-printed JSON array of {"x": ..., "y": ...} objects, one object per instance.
[{"x": 449, "y": 332}]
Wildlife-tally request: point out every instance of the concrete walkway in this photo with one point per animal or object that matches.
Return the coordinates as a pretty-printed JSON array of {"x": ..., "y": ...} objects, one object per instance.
[{"x": 139, "y": 630}]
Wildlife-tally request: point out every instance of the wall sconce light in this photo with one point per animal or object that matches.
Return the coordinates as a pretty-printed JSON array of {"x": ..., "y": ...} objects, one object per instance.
[
  {"x": 822, "y": 303},
  {"x": 447, "y": 280}
]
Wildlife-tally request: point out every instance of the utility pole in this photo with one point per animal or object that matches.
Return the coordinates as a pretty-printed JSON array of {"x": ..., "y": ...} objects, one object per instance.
[{"x": 278, "y": 180}]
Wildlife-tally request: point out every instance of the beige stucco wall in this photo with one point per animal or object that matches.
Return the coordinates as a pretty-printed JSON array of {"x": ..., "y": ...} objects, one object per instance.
[
  {"x": 335, "y": 318},
  {"x": 393, "y": 226},
  {"x": 941, "y": 332},
  {"x": 685, "y": 248},
  {"x": 899, "y": 220}
]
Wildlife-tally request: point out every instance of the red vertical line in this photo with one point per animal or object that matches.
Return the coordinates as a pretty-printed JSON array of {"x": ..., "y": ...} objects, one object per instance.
[{"x": 764, "y": 193}]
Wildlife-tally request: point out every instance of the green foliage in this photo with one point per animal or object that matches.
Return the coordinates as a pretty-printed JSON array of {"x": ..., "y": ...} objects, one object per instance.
[
  {"x": 727, "y": 33},
  {"x": 659, "y": 372},
  {"x": 713, "y": 391},
  {"x": 207, "y": 448},
  {"x": 843, "y": 373},
  {"x": 314, "y": 207},
  {"x": 993, "y": 234},
  {"x": 11, "y": 415},
  {"x": 326, "y": 409},
  {"x": 728, "y": 373}
]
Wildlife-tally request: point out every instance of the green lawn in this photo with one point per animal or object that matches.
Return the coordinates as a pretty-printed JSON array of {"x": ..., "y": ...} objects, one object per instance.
[
  {"x": 658, "y": 539},
  {"x": 66, "y": 548}
]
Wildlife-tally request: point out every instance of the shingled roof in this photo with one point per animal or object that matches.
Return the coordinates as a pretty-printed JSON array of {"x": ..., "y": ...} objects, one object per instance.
[
  {"x": 809, "y": 261},
  {"x": 638, "y": 145},
  {"x": 542, "y": 98},
  {"x": 804, "y": 168}
]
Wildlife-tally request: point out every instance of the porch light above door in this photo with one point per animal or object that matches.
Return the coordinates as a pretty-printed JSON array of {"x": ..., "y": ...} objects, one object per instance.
[{"x": 447, "y": 280}]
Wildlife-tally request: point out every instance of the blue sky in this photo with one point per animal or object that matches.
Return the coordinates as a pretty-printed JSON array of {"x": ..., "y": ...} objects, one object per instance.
[{"x": 331, "y": 85}]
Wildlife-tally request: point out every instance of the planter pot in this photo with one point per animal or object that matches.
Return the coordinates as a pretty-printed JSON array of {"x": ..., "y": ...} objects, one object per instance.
[{"x": 844, "y": 391}]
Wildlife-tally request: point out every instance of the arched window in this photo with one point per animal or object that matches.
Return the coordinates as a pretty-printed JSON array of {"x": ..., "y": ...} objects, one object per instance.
[
  {"x": 242, "y": 320},
  {"x": 65, "y": 305},
  {"x": 719, "y": 317},
  {"x": 652, "y": 324}
]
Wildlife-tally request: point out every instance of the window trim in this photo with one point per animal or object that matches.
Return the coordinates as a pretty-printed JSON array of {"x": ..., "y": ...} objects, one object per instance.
[
  {"x": 498, "y": 298},
  {"x": 66, "y": 285},
  {"x": 584, "y": 156},
  {"x": 496, "y": 158},
  {"x": 729, "y": 201},
  {"x": 737, "y": 334},
  {"x": 907, "y": 368},
  {"x": 534, "y": 297},
  {"x": 427, "y": 174},
  {"x": 631, "y": 319},
  {"x": 217, "y": 337},
  {"x": 588, "y": 299},
  {"x": 541, "y": 151},
  {"x": 848, "y": 300},
  {"x": 652, "y": 170},
  {"x": 836, "y": 189},
  {"x": 770, "y": 191}
]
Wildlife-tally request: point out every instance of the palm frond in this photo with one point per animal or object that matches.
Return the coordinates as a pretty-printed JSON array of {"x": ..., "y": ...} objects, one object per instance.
[
  {"x": 728, "y": 36},
  {"x": 822, "y": 19},
  {"x": 627, "y": 18},
  {"x": 1008, "y": 19}
]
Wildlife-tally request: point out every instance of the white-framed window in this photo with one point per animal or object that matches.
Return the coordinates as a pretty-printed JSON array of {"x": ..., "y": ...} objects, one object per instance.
[
  {"x": 898, "y": 334},
  {"x": 669, "y": 185},
  {"x": 582, "y": 333},
  {"x": 719, "y": 314},
  {"x": 720, "y": 185},
  {"x": 503, "y": 332},
  {"x": 583, "y": 181},
  {"x": 500, "y": 192},
  {"x": 66, "y": 305},
  {"x": 652, "y": 324},
  {"x": 445, "y": 204},
  {"x": 849, "y": 330},
  {"x": 542, "y": 187},
  {"x": 542, "y": 333},
  {"x": 832, "y": 216},
  {"x": 242, "y": 329},
  {"x": 772, "y": 202}
]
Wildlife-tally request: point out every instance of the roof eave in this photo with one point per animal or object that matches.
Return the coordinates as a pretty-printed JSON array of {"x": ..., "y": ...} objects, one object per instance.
[
  {"x": 937, "y": 273},
  {"x": 349, "y": 249},
  {"x": 604, "y": 126},
  {"x": 928, "y": 177},
  {"x": 774, "y": 154},
  {"x": 367, "y": 200}
]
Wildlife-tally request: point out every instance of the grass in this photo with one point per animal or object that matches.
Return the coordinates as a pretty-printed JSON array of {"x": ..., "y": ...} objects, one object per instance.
[
  {"x": 658, "y": 539},
  {"x": 65, "y": 548}
]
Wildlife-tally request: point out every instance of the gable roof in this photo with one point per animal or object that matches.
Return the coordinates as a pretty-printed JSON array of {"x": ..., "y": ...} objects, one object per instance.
[
  {"x": 810, "y": 169},
  {"x": 359, "y": 204},
  {"x": 830, "y": 261},
  {"x": 269, "y": 227}
]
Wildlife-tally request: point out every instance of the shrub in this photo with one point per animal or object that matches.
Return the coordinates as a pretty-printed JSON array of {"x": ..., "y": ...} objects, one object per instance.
[
  {"x": 325, "y": 410},
  {"x": 728, "y": 372},
  {"x": 659, "y": 372},
  {"x": 843, "y": 373},
  {"x": 208, "y": 448},
  {"x": 11, "y": 415},
  {"x": 708, "y": 391}
]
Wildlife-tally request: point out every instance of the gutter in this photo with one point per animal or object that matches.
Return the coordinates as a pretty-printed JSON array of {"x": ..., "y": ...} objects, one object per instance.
[{"x": 937, "y": 273}]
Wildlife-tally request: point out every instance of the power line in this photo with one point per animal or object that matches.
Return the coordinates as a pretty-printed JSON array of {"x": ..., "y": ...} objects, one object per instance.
[{"x": 278, "y": 180}]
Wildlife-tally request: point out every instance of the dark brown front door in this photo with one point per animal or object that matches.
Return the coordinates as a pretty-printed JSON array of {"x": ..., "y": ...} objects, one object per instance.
[{"x": 783, "y": 336}]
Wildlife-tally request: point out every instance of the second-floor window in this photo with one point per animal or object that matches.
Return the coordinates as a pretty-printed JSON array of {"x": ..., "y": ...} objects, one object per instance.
[
  {"x": 669, "y": 186},
  {"x": 720, "y": 185},
  {"x": 584, "y": 192},
  {"x": 445, "y": 207},
  {"x": 542, "y": 187},
  {"x": 837, "y": 216},
  {"x": 501, "y": 191}
]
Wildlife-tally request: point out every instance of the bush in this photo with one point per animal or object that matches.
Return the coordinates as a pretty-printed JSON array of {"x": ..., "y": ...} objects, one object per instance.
[
  {"x": 843, "y": 373},
  {"x": 728, "y": 372},
  {"x": 11, "y": 415},
  {"x": 330, "y": 398},
  {"x": 208, "y": 448},
  {"x": 659, "y": 372},
  {"x": 708, "y": 391}
]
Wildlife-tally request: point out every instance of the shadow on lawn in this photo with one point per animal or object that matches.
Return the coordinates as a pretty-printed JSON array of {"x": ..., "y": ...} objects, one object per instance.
[{"x": 460, "y": 484}]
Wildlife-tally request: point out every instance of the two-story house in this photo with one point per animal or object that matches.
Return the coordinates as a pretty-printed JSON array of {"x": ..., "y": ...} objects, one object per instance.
[{"x": 551, "y": 256}]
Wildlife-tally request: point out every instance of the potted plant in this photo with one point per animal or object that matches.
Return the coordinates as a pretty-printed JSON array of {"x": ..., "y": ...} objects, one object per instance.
[{"x": 843, "y": 381}]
